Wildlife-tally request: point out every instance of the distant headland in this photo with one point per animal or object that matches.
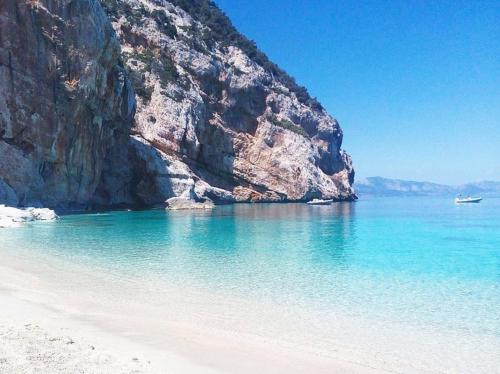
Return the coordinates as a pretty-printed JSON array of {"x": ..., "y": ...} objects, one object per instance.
[{"x": 379, "y": 186}]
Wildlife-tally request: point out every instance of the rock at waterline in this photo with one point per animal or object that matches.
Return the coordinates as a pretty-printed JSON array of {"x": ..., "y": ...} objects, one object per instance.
[
  {"x": 14, "y": 217},
  {"x": 179, "y": 203}
]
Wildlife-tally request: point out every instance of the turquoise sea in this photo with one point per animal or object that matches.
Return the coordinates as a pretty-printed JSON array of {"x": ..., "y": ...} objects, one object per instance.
[{"x": 422, "y": 262}]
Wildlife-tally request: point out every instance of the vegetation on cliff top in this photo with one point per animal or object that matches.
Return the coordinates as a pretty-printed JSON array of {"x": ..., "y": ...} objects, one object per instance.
[
  {"x": 219, "y": 28},
  {"x": 222, "y": 30}
]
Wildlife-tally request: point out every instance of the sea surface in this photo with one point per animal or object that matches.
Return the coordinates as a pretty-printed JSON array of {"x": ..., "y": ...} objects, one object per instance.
[{"x": 424, "y": 263}]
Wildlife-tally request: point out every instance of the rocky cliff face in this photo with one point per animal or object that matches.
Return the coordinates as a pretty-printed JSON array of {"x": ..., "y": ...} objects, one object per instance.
[
  {"x": 65, "y": 100},
  {"x": 224, "y": 123},
  {"x": 215, "y": 119}
]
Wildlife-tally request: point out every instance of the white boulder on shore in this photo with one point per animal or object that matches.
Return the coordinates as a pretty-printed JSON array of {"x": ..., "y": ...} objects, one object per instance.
[
  {"x": 13, "y": 217},
  {"x": 181, "y": 203}
]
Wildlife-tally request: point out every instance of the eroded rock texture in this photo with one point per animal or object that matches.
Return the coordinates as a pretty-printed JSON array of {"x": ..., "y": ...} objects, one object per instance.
[
  {"x": 215, "y": 119},
  {"x": 65, "y": 100},
  {"x": 222, "y": 121}
]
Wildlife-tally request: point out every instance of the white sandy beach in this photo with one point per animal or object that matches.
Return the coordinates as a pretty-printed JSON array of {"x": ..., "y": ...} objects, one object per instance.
[
  {"x": 46, "y": 330},
  {"x": 59, "y": 318}
]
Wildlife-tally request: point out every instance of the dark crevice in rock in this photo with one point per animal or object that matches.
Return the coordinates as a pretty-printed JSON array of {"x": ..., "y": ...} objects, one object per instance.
[{"x": 19, "y": 142}]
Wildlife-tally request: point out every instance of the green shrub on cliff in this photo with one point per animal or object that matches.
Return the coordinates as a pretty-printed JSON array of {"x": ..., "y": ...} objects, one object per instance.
[
  {"x": 164, "y": 23},
  {"x": 289, "y": 125},
  {"x": 145, "y": 92},
  {"x": 116, "y": 8},
  {"x": 168, "y": 71},
  {"x": 162, "y": 65}
]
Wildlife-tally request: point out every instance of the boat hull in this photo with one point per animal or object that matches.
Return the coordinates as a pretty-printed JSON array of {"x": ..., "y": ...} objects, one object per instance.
[
  {"x": 322, "y": 202},
  {"x": 468, "y": 201}
]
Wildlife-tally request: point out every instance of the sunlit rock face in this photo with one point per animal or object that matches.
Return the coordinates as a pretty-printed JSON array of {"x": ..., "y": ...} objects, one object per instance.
[
  {"x": 65, "y": 100},
  {"x": 135, "y": 102},
  {"x": 208, "y": 100}
]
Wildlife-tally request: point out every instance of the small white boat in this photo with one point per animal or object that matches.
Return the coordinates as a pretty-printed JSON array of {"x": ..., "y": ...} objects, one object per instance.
[
  {"x": 460, "y": 200},
  {"x": 319, "y": 202}
]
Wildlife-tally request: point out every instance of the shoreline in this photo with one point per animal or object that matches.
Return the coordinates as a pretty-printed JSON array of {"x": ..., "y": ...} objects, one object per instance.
[
  {"x": 62, "y": 337},
  {"x": 47, "y": 302},
  {"x": 93, "y": 209}
]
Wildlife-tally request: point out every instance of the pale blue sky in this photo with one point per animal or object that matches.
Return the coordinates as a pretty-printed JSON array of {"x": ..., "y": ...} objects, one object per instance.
[{"x": 414, "y": 84}]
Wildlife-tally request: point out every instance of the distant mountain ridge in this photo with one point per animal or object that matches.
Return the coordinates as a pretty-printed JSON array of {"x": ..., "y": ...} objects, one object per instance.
[{"x": 379, "y": 186}]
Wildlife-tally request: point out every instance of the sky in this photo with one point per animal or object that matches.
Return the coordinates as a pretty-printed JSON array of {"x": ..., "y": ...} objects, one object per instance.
[{"x": 415, "y": 84}]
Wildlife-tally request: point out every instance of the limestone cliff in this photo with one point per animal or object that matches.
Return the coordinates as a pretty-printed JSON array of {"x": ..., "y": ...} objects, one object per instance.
[
  {"x": 214, "y": 118},
  {"x": 223, "y": 121},
  {"x": 65, "y": 100}
]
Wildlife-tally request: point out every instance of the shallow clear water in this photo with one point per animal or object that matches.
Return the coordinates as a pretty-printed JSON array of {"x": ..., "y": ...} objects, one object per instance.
[{"x": 423, "y": 262}]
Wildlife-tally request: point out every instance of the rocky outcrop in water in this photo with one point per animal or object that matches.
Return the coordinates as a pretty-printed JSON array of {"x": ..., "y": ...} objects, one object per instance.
[
  {"x": 216, "y": 121},
  {"x": 13, "y": 217}
]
